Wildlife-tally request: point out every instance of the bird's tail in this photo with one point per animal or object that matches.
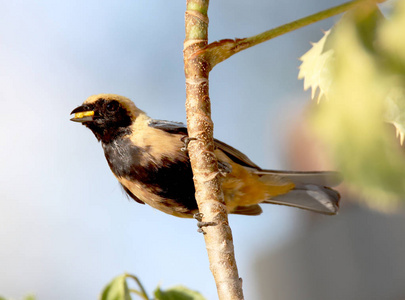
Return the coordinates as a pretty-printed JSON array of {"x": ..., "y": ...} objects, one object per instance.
[{"x": 312, "y": 190}]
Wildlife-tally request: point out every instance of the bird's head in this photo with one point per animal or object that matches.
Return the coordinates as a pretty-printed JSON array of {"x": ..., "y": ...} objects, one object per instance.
[{"x": 108, "y": 116}]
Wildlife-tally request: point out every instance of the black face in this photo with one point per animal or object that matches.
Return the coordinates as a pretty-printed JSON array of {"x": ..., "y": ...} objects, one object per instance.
[{"x": 110, "y": 119}]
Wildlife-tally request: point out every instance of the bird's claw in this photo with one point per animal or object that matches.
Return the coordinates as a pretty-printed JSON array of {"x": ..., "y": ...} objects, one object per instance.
[
  {"x": 201, "y": 224},
  {"x": 186, "y": 140},
  {"x": 224, "y": 168}
]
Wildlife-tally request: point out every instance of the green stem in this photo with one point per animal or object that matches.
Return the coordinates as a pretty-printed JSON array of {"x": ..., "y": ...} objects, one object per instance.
[
  {"x": 141, "y": 293},
  {"x": 275, "y": 32},
  {"x": 197, "y": 29},
  {"x": 217, "y": 52}
]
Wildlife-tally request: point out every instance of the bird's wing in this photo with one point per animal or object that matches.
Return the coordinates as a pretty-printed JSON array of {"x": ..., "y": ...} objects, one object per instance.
[
  {"x": 169, "y": 126},
  {"x": 180, "y": 128},
  {"x": 320, "y": 178},
  {"x": 251, "y": 210},
  {"x": 235, "y": 155}
]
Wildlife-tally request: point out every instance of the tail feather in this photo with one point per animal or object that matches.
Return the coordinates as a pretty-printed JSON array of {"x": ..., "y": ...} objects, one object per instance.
[
  {"x": 310, "y": 197},
  {"x": 328, "y": 178},
  {"x": 311, "y": 192}
]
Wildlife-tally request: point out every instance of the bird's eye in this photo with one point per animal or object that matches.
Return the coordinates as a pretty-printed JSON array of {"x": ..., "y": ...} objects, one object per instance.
[{"x": 112, "y": 106}]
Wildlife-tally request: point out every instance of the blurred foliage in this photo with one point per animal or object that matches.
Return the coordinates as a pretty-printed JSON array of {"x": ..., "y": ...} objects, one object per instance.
[
  {"x": 118, "y": 289},
  {"x": 357, "y": 70},
  {"x": 178, "y": 293},
  {"x": 28, "y": 297}
]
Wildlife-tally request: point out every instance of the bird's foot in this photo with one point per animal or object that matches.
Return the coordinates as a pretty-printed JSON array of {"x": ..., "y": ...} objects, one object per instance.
[
  {"x": 186, "y": 140},
  {"x": 224, "y": 168},
  {"x": 201, "y": 224}
]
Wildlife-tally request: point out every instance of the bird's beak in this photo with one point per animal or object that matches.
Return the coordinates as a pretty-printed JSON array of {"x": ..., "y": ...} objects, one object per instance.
[{"x": 82, "y": 114}]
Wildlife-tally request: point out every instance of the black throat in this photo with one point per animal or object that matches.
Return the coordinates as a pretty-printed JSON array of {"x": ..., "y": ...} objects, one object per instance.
[
  {"x": 110, "y": 121},
  {"x": 108, "y": 135},
  {"x": 125, "y": 159}
]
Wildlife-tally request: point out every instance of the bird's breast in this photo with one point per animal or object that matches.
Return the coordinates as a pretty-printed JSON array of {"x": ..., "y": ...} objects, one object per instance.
[{"x": 158, "y": 180}]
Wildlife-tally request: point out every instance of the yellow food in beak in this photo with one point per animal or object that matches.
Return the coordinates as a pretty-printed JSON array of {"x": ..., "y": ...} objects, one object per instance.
[{"x": 83, "y": 114}]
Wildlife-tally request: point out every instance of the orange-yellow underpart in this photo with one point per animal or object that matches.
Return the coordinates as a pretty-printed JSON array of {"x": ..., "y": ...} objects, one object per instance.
[{"x": 242, "y": 187}]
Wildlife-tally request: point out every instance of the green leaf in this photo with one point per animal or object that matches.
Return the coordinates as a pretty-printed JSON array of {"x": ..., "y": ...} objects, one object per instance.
[
  {"x": 117, "y": 289},
  {"x": 317, "y": 62},
  {"x": 395, "y": 110},
  {"x": 364, "y": 92},
  {"x": 315, "y": 69},
  {"x": 392, "y": 43},
  {"x": 178, "y": 293},
  {"x": 391, "y": 35}
]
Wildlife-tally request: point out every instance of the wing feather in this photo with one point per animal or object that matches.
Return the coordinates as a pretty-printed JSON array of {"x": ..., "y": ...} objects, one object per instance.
[
  {"x": 169, "y": 126},
  {"x": 180, "y": 128}
]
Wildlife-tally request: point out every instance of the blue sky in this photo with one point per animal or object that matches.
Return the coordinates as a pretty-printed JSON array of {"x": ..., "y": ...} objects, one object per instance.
[{"x": 66, "y": 228}]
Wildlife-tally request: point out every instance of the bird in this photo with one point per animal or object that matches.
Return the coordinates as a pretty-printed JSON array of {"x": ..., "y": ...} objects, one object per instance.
[{"x": 149, "y": 160}]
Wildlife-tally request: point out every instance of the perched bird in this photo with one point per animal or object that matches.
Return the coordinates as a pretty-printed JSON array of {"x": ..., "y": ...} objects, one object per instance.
[{"x": 147, "y": 158}]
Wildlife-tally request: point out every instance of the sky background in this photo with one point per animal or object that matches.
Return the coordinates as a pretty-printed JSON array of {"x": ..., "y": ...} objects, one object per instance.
[{"x": 66, "y": 228}]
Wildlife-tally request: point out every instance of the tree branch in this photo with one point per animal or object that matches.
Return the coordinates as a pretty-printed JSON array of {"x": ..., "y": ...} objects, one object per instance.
[
  {"x": 199, "y": 59},
  {"x": 219, "y": 51},
  {"x": 207, "y": 181}
]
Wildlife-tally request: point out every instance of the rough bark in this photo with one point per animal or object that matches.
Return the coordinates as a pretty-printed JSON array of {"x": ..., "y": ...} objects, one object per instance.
[{"x": 207, "y": 179}]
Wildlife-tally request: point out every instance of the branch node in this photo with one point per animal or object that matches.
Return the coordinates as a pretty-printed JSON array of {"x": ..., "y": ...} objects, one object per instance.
[
  {"x": 192, "y": 42},
  {"x": 196, "y": 81},
  {"x": 198, "y": 15}
]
